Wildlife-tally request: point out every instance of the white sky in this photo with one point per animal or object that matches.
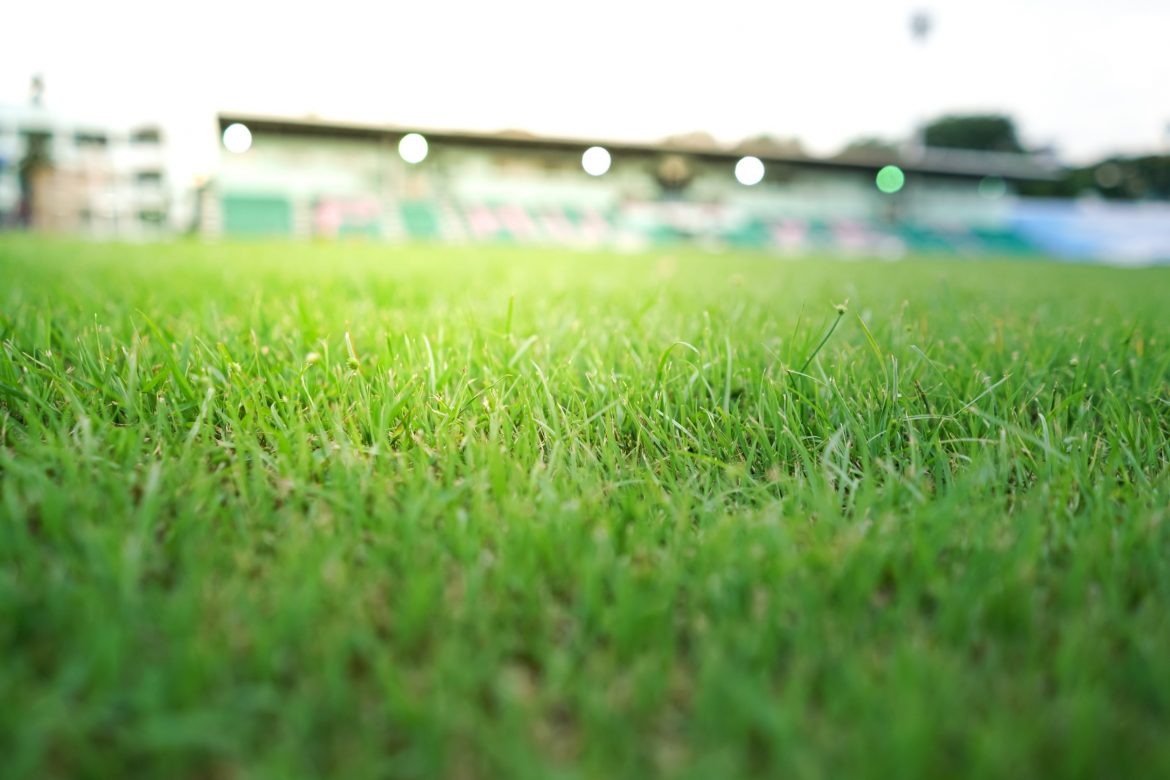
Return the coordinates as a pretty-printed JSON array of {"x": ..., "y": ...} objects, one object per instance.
[{"x": 1089, "y": 76}]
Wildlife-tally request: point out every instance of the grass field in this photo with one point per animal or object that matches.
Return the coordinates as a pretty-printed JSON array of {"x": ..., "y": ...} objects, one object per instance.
[{"x": 357, "y": 511}]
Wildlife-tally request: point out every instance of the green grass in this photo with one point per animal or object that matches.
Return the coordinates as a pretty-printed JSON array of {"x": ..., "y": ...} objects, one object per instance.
[{"x": 360, "y": 511}]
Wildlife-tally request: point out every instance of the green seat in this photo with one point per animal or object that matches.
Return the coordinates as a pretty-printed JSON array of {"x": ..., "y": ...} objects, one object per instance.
[
  {"x": 420, "y": 219},
  {"x": 256, "y": 215}
]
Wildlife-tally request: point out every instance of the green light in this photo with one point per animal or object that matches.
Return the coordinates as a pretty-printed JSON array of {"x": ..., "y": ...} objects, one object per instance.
[{"x": 890, "y": 179}]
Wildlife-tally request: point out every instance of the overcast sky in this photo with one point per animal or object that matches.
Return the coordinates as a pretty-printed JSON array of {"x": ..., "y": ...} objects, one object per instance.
[{"x": 1089, "y": 76}]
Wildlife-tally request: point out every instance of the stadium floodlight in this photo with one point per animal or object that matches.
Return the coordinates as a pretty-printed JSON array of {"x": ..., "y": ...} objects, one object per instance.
[
  {"x": 596, "y": 160},
  {"x": 412, "y": 148},
  {"x": 749, "y": 171},
  {"x": 890, "y": 179},
  {"x": 237, "y": 138}
]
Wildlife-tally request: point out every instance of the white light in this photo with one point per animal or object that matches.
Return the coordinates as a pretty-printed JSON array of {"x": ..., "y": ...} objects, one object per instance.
[
  {"x": 595, "y": 161},
  {"x": 412, "y": 148},
  {"x": 749, "y": 171},
  {"x": 237, "y": 138}
]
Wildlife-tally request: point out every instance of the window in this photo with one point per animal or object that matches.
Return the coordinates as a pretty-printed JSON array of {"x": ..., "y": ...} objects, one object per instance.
[
  {"x": 36, "y": 144},
  {"x": 146, "y": 135},
  {"x": 91, "y": 140},
  {"x": 148, "y": 178}
]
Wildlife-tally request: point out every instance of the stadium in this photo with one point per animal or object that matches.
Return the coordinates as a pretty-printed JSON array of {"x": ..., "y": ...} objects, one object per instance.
[
  {"x": 345, "y": 432},
  {"x": 314, "y": 179}
]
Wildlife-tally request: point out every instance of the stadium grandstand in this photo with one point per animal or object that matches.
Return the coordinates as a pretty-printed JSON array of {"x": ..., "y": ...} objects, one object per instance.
[{"x": 307, "y": 178}]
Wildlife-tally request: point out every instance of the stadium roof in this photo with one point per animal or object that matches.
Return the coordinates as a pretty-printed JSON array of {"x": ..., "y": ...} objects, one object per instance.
[{"x": 939, "y": 162}]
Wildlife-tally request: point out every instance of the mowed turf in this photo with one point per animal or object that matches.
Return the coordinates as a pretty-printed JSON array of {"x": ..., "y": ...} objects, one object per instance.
[{"x": 363, "y": 511}]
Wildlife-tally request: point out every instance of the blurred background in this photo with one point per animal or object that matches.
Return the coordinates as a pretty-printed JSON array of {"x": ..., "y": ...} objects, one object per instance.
[{"x": 849, "y": 126}]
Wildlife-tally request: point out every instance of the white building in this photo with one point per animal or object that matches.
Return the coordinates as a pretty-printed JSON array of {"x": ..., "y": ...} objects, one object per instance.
[{"x": 62, "y": 174}]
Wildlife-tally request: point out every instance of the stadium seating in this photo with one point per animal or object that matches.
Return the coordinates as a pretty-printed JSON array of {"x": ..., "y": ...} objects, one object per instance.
[{"x": 633, "y": 225}]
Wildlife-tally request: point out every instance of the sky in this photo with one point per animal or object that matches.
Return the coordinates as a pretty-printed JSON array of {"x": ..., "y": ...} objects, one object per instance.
[{"x": 1088, "y": 77}]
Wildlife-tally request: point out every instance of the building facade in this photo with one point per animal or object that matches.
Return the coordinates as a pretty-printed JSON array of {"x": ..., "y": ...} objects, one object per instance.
[{"x": 59, "y": 174}]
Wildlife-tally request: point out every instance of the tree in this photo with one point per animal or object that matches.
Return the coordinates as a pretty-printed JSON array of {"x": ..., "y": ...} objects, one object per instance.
[
  {"x": 984, "y": 133},
  {"x": 1115, "y": 178},
  {"x": 696, "y": 140},
  {"x": 770, "y": 146},
  {"x": 869, "y": 147}
]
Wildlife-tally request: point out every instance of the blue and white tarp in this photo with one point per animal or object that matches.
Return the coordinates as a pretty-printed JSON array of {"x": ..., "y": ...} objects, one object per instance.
[{"x": 1121, "y": 233}]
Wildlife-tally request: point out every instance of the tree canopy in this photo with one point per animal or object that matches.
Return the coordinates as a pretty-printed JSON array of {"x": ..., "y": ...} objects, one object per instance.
[{"x": 984, "y": 133}]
